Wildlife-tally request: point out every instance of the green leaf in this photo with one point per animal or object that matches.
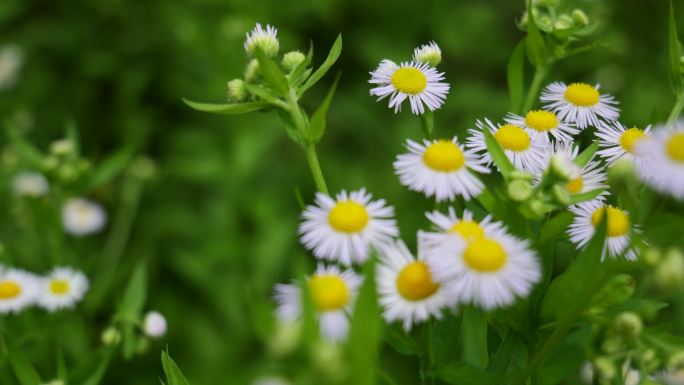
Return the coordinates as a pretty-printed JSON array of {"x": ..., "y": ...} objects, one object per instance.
[
  {"x": 364, "y": 334},
  {"x": 516, "y": 77},
  {"x": 227, "y": 108},
  {"x": 397, "y": 338},
  {"x": 72, "y": 135},
  {"x": 585, "y": 196},
  {"x": 444, "y": 340},
  {"x": 498, "y": 155},
  {"x": 536, "y": 48},
  {"x": 298, "y": 73},
  {"x": 309, "y": 324},
  {"x": 262, "y": 92},
  {"x": 272, "y": 73},
  {"x": 465, "y": 374},
  {"x": 23, "y": 369},
  {"x": 334, "y": 53},
  {"x": 474, "y": 337},
  {"x": 111, "y": 167},
  {"x": 586, "y": 156},
  {"x": 675, "y": 53},
  {"x": 317, "y": 125},
  {"x": 96, "y": 377},
  {"x": 26, "y": 150},
  {"x": 567, "y": 358},
  {"x": 174, "y": 376},
  {"x": 511, "y": 355},
  {"x": 555, "y": 226},
  {"x": 131, "y": 306},
  {"x": 62, "y": 373}
]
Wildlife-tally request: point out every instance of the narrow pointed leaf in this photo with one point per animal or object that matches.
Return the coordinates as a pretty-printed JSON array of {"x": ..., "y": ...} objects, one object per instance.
[
  {"x": 131, "y": 307},
  {"x": 675, "y": 53},
  {"x": 110, "y": 168},
  {"x": 23, "y": 369},
  {"x": 334, "y": 53},
  {"x": 174, "y": 375},
  {"x": 72, "y": 135},
  {"x": 227, "y": 108},
  {"x": 317, "y": 125},
  {"x": 516, "y": 77},
  {"x": 272, "y": 73},
  {"x": 474, "y": 337},
  {"x": 98, "y": 374},
  {"x": 586, "y": 196},
  {"x": 498, "y": 155},
  {"x": 587, "y": 155}
]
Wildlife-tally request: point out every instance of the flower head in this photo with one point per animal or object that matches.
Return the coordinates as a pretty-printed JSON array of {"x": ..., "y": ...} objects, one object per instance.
[
  {"x": 662, "y": 160},
  {"x": 588, "y": 216},
  {"x": 428, "y": 53},
  {"x": 616, "y": 141},
  {"x": 580, "y": 179},
  {"x": 264, "y": 39},
  {"x": 81, "y": 217},
  {"x": 580, "y": 103},
  {"x": 18, "y": 290},
  {"x": 154, "y": 324},
  {"x": 30, "y": 184},
  {"x": 62, "y": 288},
  {"x": 544, "y": 124}
]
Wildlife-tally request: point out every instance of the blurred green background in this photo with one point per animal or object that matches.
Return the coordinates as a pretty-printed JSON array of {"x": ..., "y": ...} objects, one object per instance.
[{"x": 218, "y": 226}]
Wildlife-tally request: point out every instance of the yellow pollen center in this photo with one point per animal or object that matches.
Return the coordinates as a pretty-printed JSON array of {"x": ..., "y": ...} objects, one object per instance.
[
  {"x": 348, "y": 217},
  {"x": 675, "y": 147},
  {"x": 59, "y": 287},
  {"x": 582, "y": 94},
  {"x": 414, "y": 282},
  {"x": 485, "y": 255},
  {"x": 328, "y": 292},
  {"x": 629, "y": 138},
  {"x": 618, "y": 221},
  {"x": 469, "y": 230},
  {"x": 9, "y": 289},
  {"x": 444, "y": 156},
  {"x": 512, "y": 138},
  {"x": 575, "y": 186},
  {"x": 409, "y": 80},
  {"x": 541, "y": 120}
]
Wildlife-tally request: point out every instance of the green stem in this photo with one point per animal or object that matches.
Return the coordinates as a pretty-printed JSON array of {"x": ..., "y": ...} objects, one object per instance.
[
  {"x": 315, "y": 166},
  {"x": 427, "y": 123},
  {"x": 539, "y": 75},
  {"x": 676, "y": 110}
]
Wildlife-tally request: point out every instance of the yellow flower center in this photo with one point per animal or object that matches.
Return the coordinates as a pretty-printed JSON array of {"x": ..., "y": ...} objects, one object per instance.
[
  {"x": 541, "y": 120},
  {"x": 409, "y": 80},
  {"x": 575, "y": 186},
  {"x": 675, "y": 147},
  {"x": 415, "y": 282},
  {"x": 348, "y": 217},
  {"x": 582, "y": 94},
  {"x": 512, "y": 138},
  {"x": 469, "y": 230},
  {"x": 618, "y": 221},
  {"x": 444, "y": 156},
  {"x": 629, "y": 138},
  {"x": 9, "y": 289},
  {"x": 59, "y": 286},
  {"x": 328, "y": 292},
  {"x": 485, "y": 255}
]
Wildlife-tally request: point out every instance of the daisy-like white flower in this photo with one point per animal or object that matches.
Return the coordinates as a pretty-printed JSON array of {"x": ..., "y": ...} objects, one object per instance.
[
  {"x": 490, "y": 271},
  {"x": 526, "y": 152},
  {"x": 451, "y": 225},
  {"x": 545, "y": 124},
  {"x": 333, "y": 293},
  {"x": 580, "y": 103},
  {"x": 264, "y": 39},
  {"x": 154, "y": 324},
  {"x": 421, "y": 84},
  {"x": 62, "y": 288},
  {"x": 428, "y": 53},
  {"x": 581, "y": 179},
  {"x": 81, "y": 217},
  {"x": 588, "y": 215},
  {"x": 18, "y": 290},
  {"x": 440, "y": 168},
  {"x": 30, "y": 184},
  {"x": 662, "y": 166},
  {"x": 345, "y": 228},
  {"x": 407, "y": 291},
  {"x": 619, "y": 142}
]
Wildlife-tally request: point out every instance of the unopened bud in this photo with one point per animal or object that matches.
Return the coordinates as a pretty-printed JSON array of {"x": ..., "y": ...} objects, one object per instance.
[
  {"x": 62, "y": 147},
  {"x": 564, "y": 22},
  {"x": 252, "y": 70},
  {"x": 111, "y": 336},
  {"x": 669, "y": 273},
  {"x": 519, "y": 190},
  {"x": 428, "y": 53},
  {"x": 286, "y": 337},
  {"x": 605, "y": 368},
  {"x": 628, "y": 324},
  {"x": 236, "y": 90},
  {"x": 292, "y": 59},
  {"x": 264, "y": 39},
  {"x": 561, "y": 195},
  {"x": 580, "y": 17}
]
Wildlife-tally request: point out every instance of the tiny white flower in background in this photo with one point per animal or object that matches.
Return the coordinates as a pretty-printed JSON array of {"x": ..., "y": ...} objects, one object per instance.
[
  {"x": 81, "y": 216},
  {"x": 345, "y": 229},
  {"x": 421, "y": 84},
  {"x": 663, "y": 160},
  {"x": 671, "y": 377},
  {"x": 154, "y": 324},
  {"x": 619, "y": 142},
  {"x": 333, "y": 293},
  {"x": 580, "y": 103},
  {"x": 428, "y": 53},
  {"x": 264, "y": 39},
  {"x": 407, "y": 291},
  {"x": 580, "y": 179},
  {"x": 10, "y": 64},
  {"x": 18, "y": 290},
  {"x": 30, "y": 184},
  {"x": 544, "y": 124},
  {"x": 526, "y": 152},
  {"x": 489, "y": 270},
  {"x": 270, "y": 381},
  {"x": 62, "y": 288},
  {"x": 588, "y": 216},
  {"x": 440, "y": 168}
]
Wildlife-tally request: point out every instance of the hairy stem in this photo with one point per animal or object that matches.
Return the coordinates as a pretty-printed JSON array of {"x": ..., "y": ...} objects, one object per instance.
[
  {"x": 676, "y": 110},
  {"x": 315, "y": 166},
  {"x": 540, "y": 73}
]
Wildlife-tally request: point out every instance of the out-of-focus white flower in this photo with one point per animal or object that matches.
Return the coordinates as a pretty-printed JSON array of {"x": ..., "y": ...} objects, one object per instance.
[
  {"x": 662, "y": 166},
  {"x": 154, "y": 324},
  {"x": 81, "y": 217},
  {"x": 588, "y": 216},
  {"x": 270, "y": 381},
  {"x": 30, "y": 184},
  {"x": 62, "y": 288},
  {"x": 11, "y": 61},
  {"x": 18, "y": 290}
]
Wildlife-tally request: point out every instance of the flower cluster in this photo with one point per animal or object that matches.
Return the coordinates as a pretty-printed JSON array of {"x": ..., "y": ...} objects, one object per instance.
[{"x": 61, "y": 288}]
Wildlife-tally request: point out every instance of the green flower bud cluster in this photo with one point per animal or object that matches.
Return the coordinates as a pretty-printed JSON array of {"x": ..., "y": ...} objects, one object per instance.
[{"x": 63, "y": 162}]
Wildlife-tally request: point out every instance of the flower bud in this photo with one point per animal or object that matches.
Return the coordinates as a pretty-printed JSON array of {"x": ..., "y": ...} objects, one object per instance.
[
  {"x": 564, "y": 22},
  {"x": 50, "y": 163},
  {"x": 111, "y": 336},
  {"x": 252, "y": 70},
  {"x": 54, "y": 382},
  {"x": 546, "y": 3},
  {"x": 652, "y": 256},
  {"x": 561, "y": 195},
  {"x": 143, "y": 168},
  {"x": 292, "y": 59},
  {"x": 628, "y": 324},
  {"x": 519, "y": 190},
  {"x": 669, "y": 273},
  {"x": 62, "y": 147},
  {"x": 580, "y": 17},
  {"x": 154, "y": 324},
  {"x": 286, "y": 338},
  {"x": 561, "y": 166},
  {"x": 264, "y": 39},
  {"x": 236, "y": 90},
  {"x": 428, "y": 53},
  {"x": 604, "y": 368}
]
